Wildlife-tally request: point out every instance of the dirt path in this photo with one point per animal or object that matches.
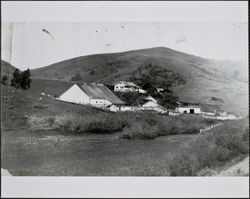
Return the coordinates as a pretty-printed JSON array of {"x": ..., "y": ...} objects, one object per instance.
[{"x": 239, "y": 169}]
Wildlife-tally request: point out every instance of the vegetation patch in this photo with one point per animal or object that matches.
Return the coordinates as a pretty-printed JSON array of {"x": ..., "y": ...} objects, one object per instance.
[
  {"x": 150, "y": 126},
  {"x": 211, "y": 150},
  {"x": 142, "y": 126}
]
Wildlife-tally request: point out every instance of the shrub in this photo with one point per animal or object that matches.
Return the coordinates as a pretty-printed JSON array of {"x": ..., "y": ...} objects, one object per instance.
[
  {"x": 141, "y": 131},
  {"x": 4, "y": 80},
  {"x": 76, "y": 124},
  {"x": 41, "y": 122},
  {"x": 76, "y": 77}
]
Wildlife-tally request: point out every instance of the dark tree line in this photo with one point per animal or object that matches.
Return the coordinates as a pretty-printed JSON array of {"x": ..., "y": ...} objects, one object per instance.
[
  {"x": 153, "y": 77},
  {"x": 21, "y": 79}
]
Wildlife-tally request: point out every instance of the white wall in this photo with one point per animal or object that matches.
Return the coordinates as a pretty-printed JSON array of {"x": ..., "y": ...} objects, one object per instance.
[
  {"x": 187, "y": 109},
  {"x": 130, "y": 108},
  {"x": 100, "y": 102},
  {"x": 121, "y": 88},
  {"x": 76, "y": 95},
  {"x": 114, "y": 108}
]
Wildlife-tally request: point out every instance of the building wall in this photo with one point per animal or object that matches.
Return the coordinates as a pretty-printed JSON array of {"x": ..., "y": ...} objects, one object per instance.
[
  {"x": 187, "y": 110},
  {"x": 75, "y": 95},
  {"x": 130, "y": 108},
  {"x": 114, "y": 108},
  {"x": 100, "y": 102},
  {"x": 124, "y": 88}
]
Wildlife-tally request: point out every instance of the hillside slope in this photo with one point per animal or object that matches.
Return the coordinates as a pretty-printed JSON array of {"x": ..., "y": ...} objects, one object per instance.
[
  {"x": 196, "y": 79},
  {"x": 6, "y": 69}
]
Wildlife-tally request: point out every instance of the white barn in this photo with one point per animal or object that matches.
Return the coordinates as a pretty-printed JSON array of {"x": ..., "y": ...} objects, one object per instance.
[
  {"x": 95, "y": 94},
  {"x": 189, "y": 109}
]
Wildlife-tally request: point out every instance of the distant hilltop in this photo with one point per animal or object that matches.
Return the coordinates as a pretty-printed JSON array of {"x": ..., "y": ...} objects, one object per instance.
[{"x": 194, "y": 79}]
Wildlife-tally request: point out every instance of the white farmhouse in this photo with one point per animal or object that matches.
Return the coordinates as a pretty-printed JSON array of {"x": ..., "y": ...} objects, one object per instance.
[
  {"x": 124, "y": 86},
  {"x": 95, "y": 94}
]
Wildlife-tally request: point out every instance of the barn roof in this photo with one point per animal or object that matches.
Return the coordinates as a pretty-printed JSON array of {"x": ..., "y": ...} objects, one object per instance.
[{"x": 99, "y": 91}]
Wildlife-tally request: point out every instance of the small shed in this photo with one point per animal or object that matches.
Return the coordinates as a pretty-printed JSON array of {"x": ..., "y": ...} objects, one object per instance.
[{"x": 189, "y": 109}]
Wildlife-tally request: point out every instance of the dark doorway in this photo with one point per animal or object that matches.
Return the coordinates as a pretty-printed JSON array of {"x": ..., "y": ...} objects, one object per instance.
[{"x": 192, "y": 111}]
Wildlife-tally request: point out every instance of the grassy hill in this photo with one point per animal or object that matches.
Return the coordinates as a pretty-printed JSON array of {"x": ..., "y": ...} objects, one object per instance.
[
  {"x": 195, "y": 79},
  {"x": 7, "y": 69},
  {"x": 114, "y": 66}
]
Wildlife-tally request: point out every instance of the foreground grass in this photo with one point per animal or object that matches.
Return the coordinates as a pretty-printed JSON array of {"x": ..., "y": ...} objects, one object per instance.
[
  {"x": 211, "y": 149},
  {"x": 23, "y": 110},
  {"x": 128, "y": 125}
]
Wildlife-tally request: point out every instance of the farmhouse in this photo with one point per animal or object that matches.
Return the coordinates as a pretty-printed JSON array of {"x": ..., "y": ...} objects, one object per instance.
[
  {"x": 124, "y": 86},
  {"x": 94, "y": 94}
]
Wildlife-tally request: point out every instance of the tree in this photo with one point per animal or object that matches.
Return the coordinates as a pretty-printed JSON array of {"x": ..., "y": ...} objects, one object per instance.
[
  {"x": 4, "y": 80},
  {"x": 168, "y": 100},
  {"x": 92, "y": 72},
  {"x": 132, "y": 98},
  {"x": 21, "y": 79},
  {"x": 25, "y": 79},
  {"x": 77, "y": 77},
  {"x": 15, "y": 81}
]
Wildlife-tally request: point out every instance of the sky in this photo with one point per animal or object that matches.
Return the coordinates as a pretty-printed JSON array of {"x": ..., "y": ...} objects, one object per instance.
[{"x": 38, "y": 44}]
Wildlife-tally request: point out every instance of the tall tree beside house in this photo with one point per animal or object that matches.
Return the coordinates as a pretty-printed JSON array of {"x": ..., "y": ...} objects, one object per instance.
[
  {"x": 131, "y": 98},
  {"x": 168, "y": 100}
]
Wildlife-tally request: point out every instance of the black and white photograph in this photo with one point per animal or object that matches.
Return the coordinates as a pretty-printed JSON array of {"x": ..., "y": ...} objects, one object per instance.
[{"x": 125, "y": 98}]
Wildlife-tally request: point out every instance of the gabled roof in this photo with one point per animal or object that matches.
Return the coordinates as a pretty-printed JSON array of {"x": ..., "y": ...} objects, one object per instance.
[
  {"x": 150, "y": 98},
  {"x": 99, "y": 91}
]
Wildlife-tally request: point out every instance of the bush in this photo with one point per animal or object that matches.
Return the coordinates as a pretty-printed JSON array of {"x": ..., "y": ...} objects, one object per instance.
[
  {"x": 130, "y": 125},
  {"x": 76, "y": 77},
  {"x": 141, "y": 131},
  {"x": 41, "y": 122},
  {"x": 76, "y": 124},
  {"x": 4, "y": 80}
]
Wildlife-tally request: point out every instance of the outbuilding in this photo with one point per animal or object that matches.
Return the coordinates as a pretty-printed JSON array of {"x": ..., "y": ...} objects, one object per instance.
[{"x": 189, "y": 109}]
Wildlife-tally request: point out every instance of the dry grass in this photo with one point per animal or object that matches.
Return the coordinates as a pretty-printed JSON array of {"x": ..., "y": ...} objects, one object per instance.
[
  {"x": 211, "y": 150},
  {"x": 142, "y": 126}
]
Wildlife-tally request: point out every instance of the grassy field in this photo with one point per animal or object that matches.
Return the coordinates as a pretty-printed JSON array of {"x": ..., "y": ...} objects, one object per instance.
[
  {"x": 50, "y": 137},
  {"x": 212, "y": 149}
]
